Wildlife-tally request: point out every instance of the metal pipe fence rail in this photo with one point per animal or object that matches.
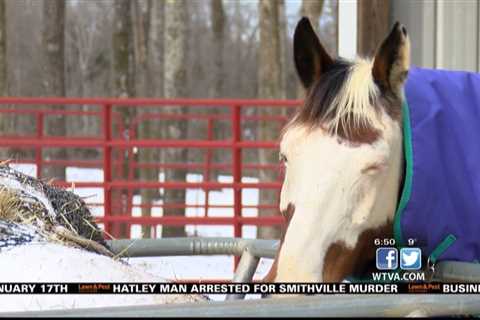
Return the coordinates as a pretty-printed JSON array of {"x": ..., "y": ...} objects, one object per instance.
[
  {"x": 313, "y": 306},
  {"x": 249, "y": 250},
  {"x": 116, "y": 136},
  {"x": 193, "y": 246}
]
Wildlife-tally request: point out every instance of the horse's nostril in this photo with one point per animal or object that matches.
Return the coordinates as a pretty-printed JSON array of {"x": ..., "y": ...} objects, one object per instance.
[{"x": 404, "y": 30}]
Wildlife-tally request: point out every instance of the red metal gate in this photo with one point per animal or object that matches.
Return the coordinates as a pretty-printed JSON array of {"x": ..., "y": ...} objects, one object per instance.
[{"x": 114, "y": 135}]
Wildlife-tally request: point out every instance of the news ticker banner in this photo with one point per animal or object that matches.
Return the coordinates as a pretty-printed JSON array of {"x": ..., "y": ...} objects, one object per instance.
[{"x": 238, "y": 288}]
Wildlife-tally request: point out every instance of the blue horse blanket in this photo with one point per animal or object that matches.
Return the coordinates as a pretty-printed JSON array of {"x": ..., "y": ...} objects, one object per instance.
[{"x": 439, "y": 208}]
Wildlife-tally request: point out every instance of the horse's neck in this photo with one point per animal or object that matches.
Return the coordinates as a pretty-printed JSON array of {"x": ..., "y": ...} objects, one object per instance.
[{"x": 341, "y": 261}]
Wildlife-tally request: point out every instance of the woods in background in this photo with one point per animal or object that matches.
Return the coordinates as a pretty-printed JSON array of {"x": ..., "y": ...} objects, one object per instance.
[{"x": 154, "y": 48}]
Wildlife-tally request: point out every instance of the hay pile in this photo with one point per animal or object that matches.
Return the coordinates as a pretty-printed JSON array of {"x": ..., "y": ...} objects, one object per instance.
[{"x": 45, "y": 212}]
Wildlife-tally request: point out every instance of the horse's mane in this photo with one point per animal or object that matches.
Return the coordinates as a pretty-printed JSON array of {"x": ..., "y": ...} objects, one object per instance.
[{"x": 343, "y": 100}]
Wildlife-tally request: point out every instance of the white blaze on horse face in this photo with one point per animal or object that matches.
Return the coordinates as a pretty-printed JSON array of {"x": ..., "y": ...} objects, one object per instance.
[{"x": 338, "y": 189}]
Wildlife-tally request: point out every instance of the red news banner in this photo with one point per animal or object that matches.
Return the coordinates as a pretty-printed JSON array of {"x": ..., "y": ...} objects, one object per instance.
[{"x": 238, "y": 288}]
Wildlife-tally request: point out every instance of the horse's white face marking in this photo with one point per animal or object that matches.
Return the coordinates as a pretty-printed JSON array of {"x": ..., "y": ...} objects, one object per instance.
[{"x": 339, "y": 190}]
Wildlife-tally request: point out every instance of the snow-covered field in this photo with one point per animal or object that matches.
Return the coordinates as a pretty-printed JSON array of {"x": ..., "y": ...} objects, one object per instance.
[{"x": 189, "y": 267}]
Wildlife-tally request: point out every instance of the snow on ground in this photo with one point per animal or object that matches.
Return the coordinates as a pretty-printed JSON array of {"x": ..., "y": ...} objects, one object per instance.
[
  {"x": 197, "y": 267},
  {"x": 90, "y": 267},
  {"x": 188, "y": 267}
]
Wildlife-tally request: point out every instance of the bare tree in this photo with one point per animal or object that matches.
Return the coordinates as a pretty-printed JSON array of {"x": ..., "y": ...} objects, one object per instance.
[
  {"x": 283, "y": 43},
  {"x": 218, "y": 31},
  {"x": 373, "y": 24},
  {"x": 3, "y": 50},
  {"x": 88, "y": 41},
  {"x": 138, "y": 48},
  {"x": 122, "y": 42},
  {"x": 313, "y": 10},
  {"x": 123, "y": 87},
  {"x": 25, "y": 67},
  {"x": 149, "y": 54},
  {"x": 53, "y": 41},
  {"x": 155, "y": 66},
  {"x": 269, "y": 87},
  {"x": 241, "y": 54},
  {"x": 3, "y": 73},
  {"x": 175, "y": 84},
  {"x": 144, "y": 64},
  {"x": 155, "y": 48},
  {"x": 87, "y": 50},
  {"x": 140, "y": 19}
]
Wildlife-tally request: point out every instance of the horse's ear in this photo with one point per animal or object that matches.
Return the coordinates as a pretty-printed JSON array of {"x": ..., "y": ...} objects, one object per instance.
[
  {"x": 311, "y": 59},
  {"x": 392, "y": 60}
]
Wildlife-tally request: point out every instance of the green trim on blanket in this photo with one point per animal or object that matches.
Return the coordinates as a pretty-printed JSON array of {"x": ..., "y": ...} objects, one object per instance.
[
  {"x": 407, "y": 186},
  {"x": 442, "y": 247}
]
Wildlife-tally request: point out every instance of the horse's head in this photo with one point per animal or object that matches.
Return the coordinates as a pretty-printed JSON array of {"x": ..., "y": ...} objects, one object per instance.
[{"x": 343, "y": 157}]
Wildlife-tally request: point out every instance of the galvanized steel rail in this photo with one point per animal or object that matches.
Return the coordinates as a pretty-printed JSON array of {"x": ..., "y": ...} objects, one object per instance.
[
  {"x": 250, "y": 251},
  {"x": 193, "y": 246},
  {"x": 340, "y": 306}
]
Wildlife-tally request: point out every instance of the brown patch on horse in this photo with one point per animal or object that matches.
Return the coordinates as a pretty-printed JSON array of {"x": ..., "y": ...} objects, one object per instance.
[
  {"x": 358, "y": 135},
  {"x": 341, "y": 261},
  {"x": 355, "y": 135},
  {"x": 287, "y": 214}
]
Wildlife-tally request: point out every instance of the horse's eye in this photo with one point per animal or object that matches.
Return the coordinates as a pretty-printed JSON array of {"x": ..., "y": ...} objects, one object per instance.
[{"x": 282, "y": 158}]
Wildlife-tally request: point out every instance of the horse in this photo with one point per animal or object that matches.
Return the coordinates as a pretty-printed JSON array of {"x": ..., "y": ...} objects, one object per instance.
[
  {"x": 379, "y": 153},
  {"x": 343, "y": 157},
  {"x": 47, "y": 234}
]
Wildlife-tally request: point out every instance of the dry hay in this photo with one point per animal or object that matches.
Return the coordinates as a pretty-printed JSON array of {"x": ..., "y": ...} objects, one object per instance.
[{"x": 71, "y": 224}]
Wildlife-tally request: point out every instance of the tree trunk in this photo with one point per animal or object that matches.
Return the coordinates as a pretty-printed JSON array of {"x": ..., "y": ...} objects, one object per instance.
[
  {"x": 142, "y": 68},
  {"x": 155, "y": 69},
  {"x": 175, "y": 78},
  {"x": 3, "y": 51},
  {"x": 86, "y": 65},
  {"x": 53, "y": 40},
  {"x": 373, "y": 24},
  {"x": 26, "y": 79},
  {"x": 283, "y": 42},
  {"x": 221, "y": 129},
  {"x": 155, "y": 48},
  {"x": 4, "y": 126},
  {"x": 269, "y": 82},
  {"x": 122, "y": 49},
  {"x": 140, "y": 40},
  {"x": 313, "y": 10},
  {"x": 237, "y": 22},
  {"x": 123, "y": 87},
  {"x": 218, "y": 31}
]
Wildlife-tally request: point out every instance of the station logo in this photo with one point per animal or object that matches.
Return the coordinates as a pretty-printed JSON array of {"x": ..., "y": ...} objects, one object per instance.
[
  {"x": 410, "y": 258},
  {"x": 387, "y": 258}
]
